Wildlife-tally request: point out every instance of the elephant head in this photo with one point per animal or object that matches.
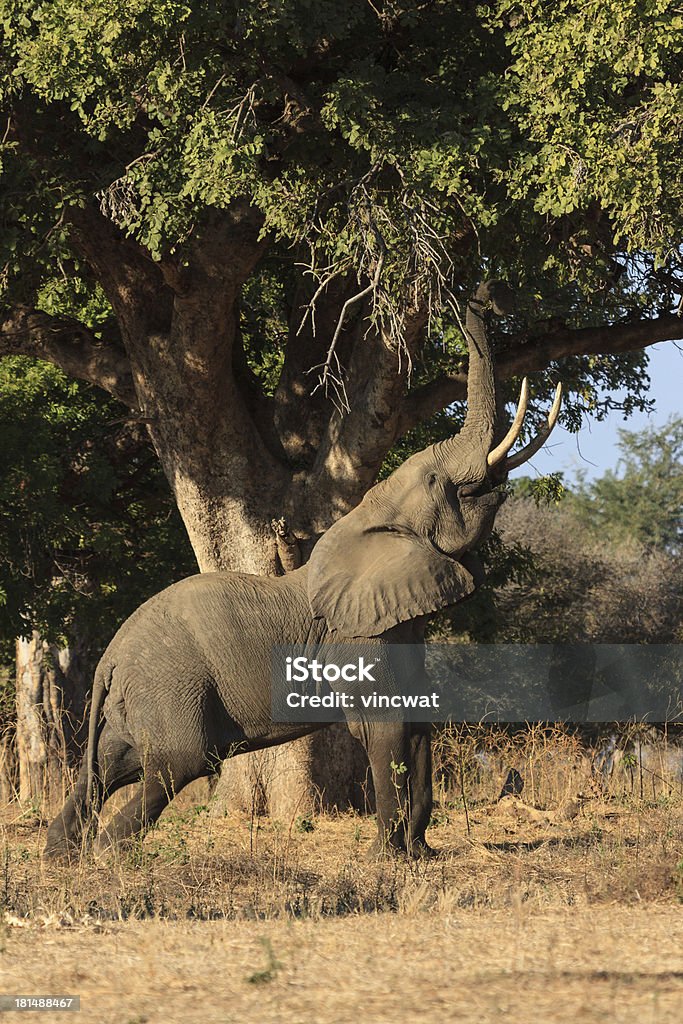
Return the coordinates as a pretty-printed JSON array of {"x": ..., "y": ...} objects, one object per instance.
[{"x": 403, "y": 552}]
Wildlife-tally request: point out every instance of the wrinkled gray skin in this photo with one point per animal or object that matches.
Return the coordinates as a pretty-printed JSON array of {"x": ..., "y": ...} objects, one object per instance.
[{"x": 186, "y": 680}]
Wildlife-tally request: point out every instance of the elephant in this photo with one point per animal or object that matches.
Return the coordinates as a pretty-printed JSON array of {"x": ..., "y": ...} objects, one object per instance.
[{"x": 186, "y": 680}]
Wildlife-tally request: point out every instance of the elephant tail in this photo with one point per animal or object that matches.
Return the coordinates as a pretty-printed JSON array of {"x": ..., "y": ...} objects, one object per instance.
[{"x": 99, "y": 692}]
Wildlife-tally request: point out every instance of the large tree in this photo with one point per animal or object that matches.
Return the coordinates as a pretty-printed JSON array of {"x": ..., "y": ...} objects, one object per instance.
[{"x": 254, "y": 225}]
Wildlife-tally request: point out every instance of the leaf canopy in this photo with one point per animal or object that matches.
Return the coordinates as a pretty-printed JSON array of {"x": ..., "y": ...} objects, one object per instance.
[{"x": 546, "y": 135}]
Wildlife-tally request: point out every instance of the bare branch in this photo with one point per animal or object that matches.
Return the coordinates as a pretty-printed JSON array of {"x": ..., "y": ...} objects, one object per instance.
[
  {"x": 522, "y": 357},
  {"x": 310, "y": 306},
  {"x": 332, "y": 373},
  {"x": 301, "y": 418},
  {"x": 71, "y": 346},
  {"x": 242, "y": 110}
]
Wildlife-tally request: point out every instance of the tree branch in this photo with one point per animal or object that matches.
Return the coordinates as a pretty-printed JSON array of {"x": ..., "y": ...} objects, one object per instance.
[
  {"x": 330, "y": 377},
  {"x": 521, "y": 356},
  {"x": 132, "y": 282},
  {"x": 301, "y": 418},
  {"x": 71, "y": 346}
]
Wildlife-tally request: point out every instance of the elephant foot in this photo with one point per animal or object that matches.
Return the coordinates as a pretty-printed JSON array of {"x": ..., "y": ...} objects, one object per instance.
[
  {"x": 423, "y": 851},
  {"x": 416, "y": 850},
  {"x": 62, "y": 851}
]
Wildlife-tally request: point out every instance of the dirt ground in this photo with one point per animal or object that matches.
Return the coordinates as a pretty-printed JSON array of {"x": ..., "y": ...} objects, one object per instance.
[{"x": 563, "y": 965}]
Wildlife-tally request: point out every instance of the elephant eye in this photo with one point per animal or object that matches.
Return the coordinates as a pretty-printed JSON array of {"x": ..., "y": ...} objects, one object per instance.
[
  {"x": 431, "y": 480},
  {"x": 474, "y": 490}
]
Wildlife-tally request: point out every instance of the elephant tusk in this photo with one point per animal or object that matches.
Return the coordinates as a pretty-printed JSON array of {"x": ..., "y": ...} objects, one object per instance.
[
  {"x": 544, "y": 433},
  {"x": 501, "y": 450}
]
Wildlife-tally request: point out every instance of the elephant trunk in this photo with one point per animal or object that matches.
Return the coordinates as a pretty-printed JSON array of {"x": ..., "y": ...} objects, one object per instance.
[
  {"x": 480, "y": 421},
  {"x": 483, "y": 413}
]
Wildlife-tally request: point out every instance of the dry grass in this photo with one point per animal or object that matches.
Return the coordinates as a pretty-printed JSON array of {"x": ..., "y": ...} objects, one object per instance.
[
  {"x": 566, "y": 903},
  {"x": 562, "y": 967},
  {"x": 576, "y": 837}
]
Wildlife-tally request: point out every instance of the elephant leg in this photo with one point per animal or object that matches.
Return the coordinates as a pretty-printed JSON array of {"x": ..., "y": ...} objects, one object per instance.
[
  {"x": 388, "y": 748},
  {"x": 66, "y": 830},
  {"x": 420, "y": 786},
  {"x": 141, "y": 812},
  {"x": 120, "y": 766}
]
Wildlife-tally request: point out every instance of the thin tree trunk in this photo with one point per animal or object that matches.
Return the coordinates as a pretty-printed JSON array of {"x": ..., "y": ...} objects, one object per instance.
[
  {"x": 9, "y": 774},
  {"x": 51, "y": 689}
]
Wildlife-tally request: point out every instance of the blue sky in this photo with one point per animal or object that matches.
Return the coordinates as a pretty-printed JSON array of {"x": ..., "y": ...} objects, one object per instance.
[{"x": 594, "y": 448}]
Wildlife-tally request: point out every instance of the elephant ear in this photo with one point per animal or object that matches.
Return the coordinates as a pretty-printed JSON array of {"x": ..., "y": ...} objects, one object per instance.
[{"x": 364, "y": 581}]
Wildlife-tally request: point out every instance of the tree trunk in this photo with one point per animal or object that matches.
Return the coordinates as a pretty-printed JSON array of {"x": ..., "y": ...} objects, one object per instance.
[
  {"x": 228, "y": 495},
  {"x": 326, "y": 770},
  {"x": 9, "y": 775},
  {"x": 51, "y": 690}
]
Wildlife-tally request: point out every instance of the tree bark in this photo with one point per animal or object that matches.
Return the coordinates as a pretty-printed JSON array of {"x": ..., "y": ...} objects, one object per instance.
[
  {"x": 9, "y": 771},
  {"x": 51, "y": 695}
]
